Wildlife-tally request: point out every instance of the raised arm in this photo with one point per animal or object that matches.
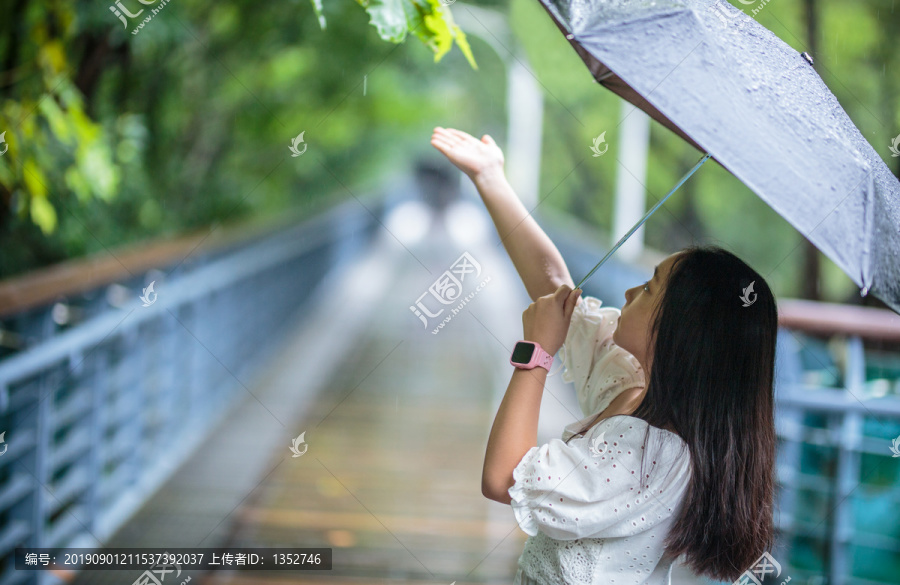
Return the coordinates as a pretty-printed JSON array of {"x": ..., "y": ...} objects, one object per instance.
[{"x": 538, "y": 262}]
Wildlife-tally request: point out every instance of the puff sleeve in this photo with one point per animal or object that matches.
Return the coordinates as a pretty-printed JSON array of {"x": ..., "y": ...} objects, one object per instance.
[
  {"x": 600, "y": 369},
  {"x": 570, "y": 491}
]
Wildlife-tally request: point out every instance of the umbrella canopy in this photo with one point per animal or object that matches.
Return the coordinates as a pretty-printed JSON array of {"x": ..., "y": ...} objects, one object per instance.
[{"x": 730, "y": 87}]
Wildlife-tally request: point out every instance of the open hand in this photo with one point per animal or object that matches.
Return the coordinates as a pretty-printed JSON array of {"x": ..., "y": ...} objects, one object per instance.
[
  {"x": 547, "y": 320},
  {"x": 472, "y": 156}
]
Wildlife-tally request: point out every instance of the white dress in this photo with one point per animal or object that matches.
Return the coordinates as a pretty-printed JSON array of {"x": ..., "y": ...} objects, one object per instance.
[{"x": 593, "y": 515}]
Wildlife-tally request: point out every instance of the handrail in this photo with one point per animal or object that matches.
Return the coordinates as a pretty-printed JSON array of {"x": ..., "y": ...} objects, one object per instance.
[
  {"x": 833, "y": 318},
  {"x": 44, "y": 285},
  {"x": 217, "y": 275},
  {"x": 180, "y": 363}
]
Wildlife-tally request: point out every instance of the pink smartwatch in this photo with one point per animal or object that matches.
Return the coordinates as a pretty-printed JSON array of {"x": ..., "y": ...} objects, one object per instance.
[{"x": 529, "y": 354}]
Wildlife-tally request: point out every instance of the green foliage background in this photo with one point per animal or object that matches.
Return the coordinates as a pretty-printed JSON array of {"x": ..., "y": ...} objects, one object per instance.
[{"x": 116, "y": 138}]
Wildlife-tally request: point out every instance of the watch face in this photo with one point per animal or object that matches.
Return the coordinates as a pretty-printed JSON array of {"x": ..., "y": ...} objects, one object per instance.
[{"x": 522, "y": 352}]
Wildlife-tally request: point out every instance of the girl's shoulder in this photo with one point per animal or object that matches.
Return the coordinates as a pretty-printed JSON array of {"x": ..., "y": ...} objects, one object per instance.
[{"x": 634, "y": 432}]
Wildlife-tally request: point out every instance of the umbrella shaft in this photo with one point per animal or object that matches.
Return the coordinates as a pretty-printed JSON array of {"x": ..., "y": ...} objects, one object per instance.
[{"x": 643, "y": 219}]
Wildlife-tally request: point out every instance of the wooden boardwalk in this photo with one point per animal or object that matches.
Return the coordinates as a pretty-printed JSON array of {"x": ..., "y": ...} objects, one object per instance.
[
  {"x": 395, "y": 422},
  {"x": 392, "y": 476}
]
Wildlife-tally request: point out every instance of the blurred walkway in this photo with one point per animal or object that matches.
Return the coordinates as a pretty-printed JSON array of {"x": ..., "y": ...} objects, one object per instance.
[
  {"x": 392, "y": 478},
  {"x": 395, "y": 418}
]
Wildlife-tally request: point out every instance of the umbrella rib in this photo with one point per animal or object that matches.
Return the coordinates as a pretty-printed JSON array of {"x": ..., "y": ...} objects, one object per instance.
[{"x": 641, "y": 221}]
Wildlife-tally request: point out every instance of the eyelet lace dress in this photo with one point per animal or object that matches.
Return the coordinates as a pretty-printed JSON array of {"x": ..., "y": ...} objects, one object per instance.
[{"x": 598, "y": 508}]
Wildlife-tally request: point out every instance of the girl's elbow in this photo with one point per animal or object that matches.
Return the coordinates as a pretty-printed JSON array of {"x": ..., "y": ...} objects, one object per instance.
[
  {"x": 497, "y": 496},
  {"x": 487, "y": 489},
  {"x": 495, "y": 490},
  {"x": 503, "y": 498}
]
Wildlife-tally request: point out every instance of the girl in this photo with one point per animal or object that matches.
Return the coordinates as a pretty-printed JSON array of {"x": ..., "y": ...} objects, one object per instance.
[{"x": 675, "y": 458}]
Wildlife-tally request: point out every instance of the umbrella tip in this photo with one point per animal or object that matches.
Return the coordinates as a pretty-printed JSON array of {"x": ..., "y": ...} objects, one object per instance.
[{"x": 808, "y": 57}]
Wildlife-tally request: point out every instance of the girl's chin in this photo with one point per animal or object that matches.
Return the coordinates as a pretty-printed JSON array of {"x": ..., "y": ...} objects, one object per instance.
[{"x": 615, "y": 339}]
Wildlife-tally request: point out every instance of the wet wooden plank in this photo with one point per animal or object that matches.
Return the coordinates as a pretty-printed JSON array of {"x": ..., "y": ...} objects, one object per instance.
[{"x": 391, "y": 479}]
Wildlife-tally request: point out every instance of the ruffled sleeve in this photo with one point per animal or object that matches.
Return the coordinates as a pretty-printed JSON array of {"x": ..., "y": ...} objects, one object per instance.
[
  {"x": 592, "y": 488},
  {"x": 600, "y": 369}
]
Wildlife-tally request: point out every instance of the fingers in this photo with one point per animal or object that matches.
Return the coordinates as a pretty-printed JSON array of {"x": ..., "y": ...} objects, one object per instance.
[
  {"x": 563, "y": 289},
  {"x": 442, "y": 140},
  {"x": 444, "y": 132},
  {"x": 528, "y": 312},
  {"x": 453, "y": 135},
  {"x": 445, "y": 137},
  {"x": 441, "y": 143},
  {"x": 571, "y": 300},
  {"x": 558, "y": 295},
  {"x": 562, "y": 294},
  {"x": 460, "y": 134},
  {"x": 566, "y": 296}
]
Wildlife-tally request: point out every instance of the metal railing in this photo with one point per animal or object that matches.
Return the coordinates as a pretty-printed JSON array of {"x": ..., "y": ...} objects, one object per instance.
[
  {"x": 834, "y": 429},
  {"x": 99, "y": 414}
]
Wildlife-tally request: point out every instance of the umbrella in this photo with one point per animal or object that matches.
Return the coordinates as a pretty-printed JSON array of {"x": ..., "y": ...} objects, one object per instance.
[{"x": 732, "y": 89}]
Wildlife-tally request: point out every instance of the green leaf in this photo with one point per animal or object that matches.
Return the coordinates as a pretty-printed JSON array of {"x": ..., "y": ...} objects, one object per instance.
[
  {"x": 438, "y": 35},
  {"x": 463, "y": 43},
  {"x": 34, "y": 179},
  {"x": 390, "y": 19},
  {"x": 57, "y": 120},
  {"x": 429, "y": 20},
  {"x": 77, "y": 183},
  {"x": 43, "y": 214},
  {"x": 95, "y": 164}
]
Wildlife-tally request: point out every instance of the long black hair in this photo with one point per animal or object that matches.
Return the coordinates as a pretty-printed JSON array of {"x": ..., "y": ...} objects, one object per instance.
[{"x": 712, "y": 381}]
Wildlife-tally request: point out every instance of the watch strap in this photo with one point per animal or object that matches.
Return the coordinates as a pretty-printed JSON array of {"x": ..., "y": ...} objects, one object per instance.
[{"x": 545, "y": 360}]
